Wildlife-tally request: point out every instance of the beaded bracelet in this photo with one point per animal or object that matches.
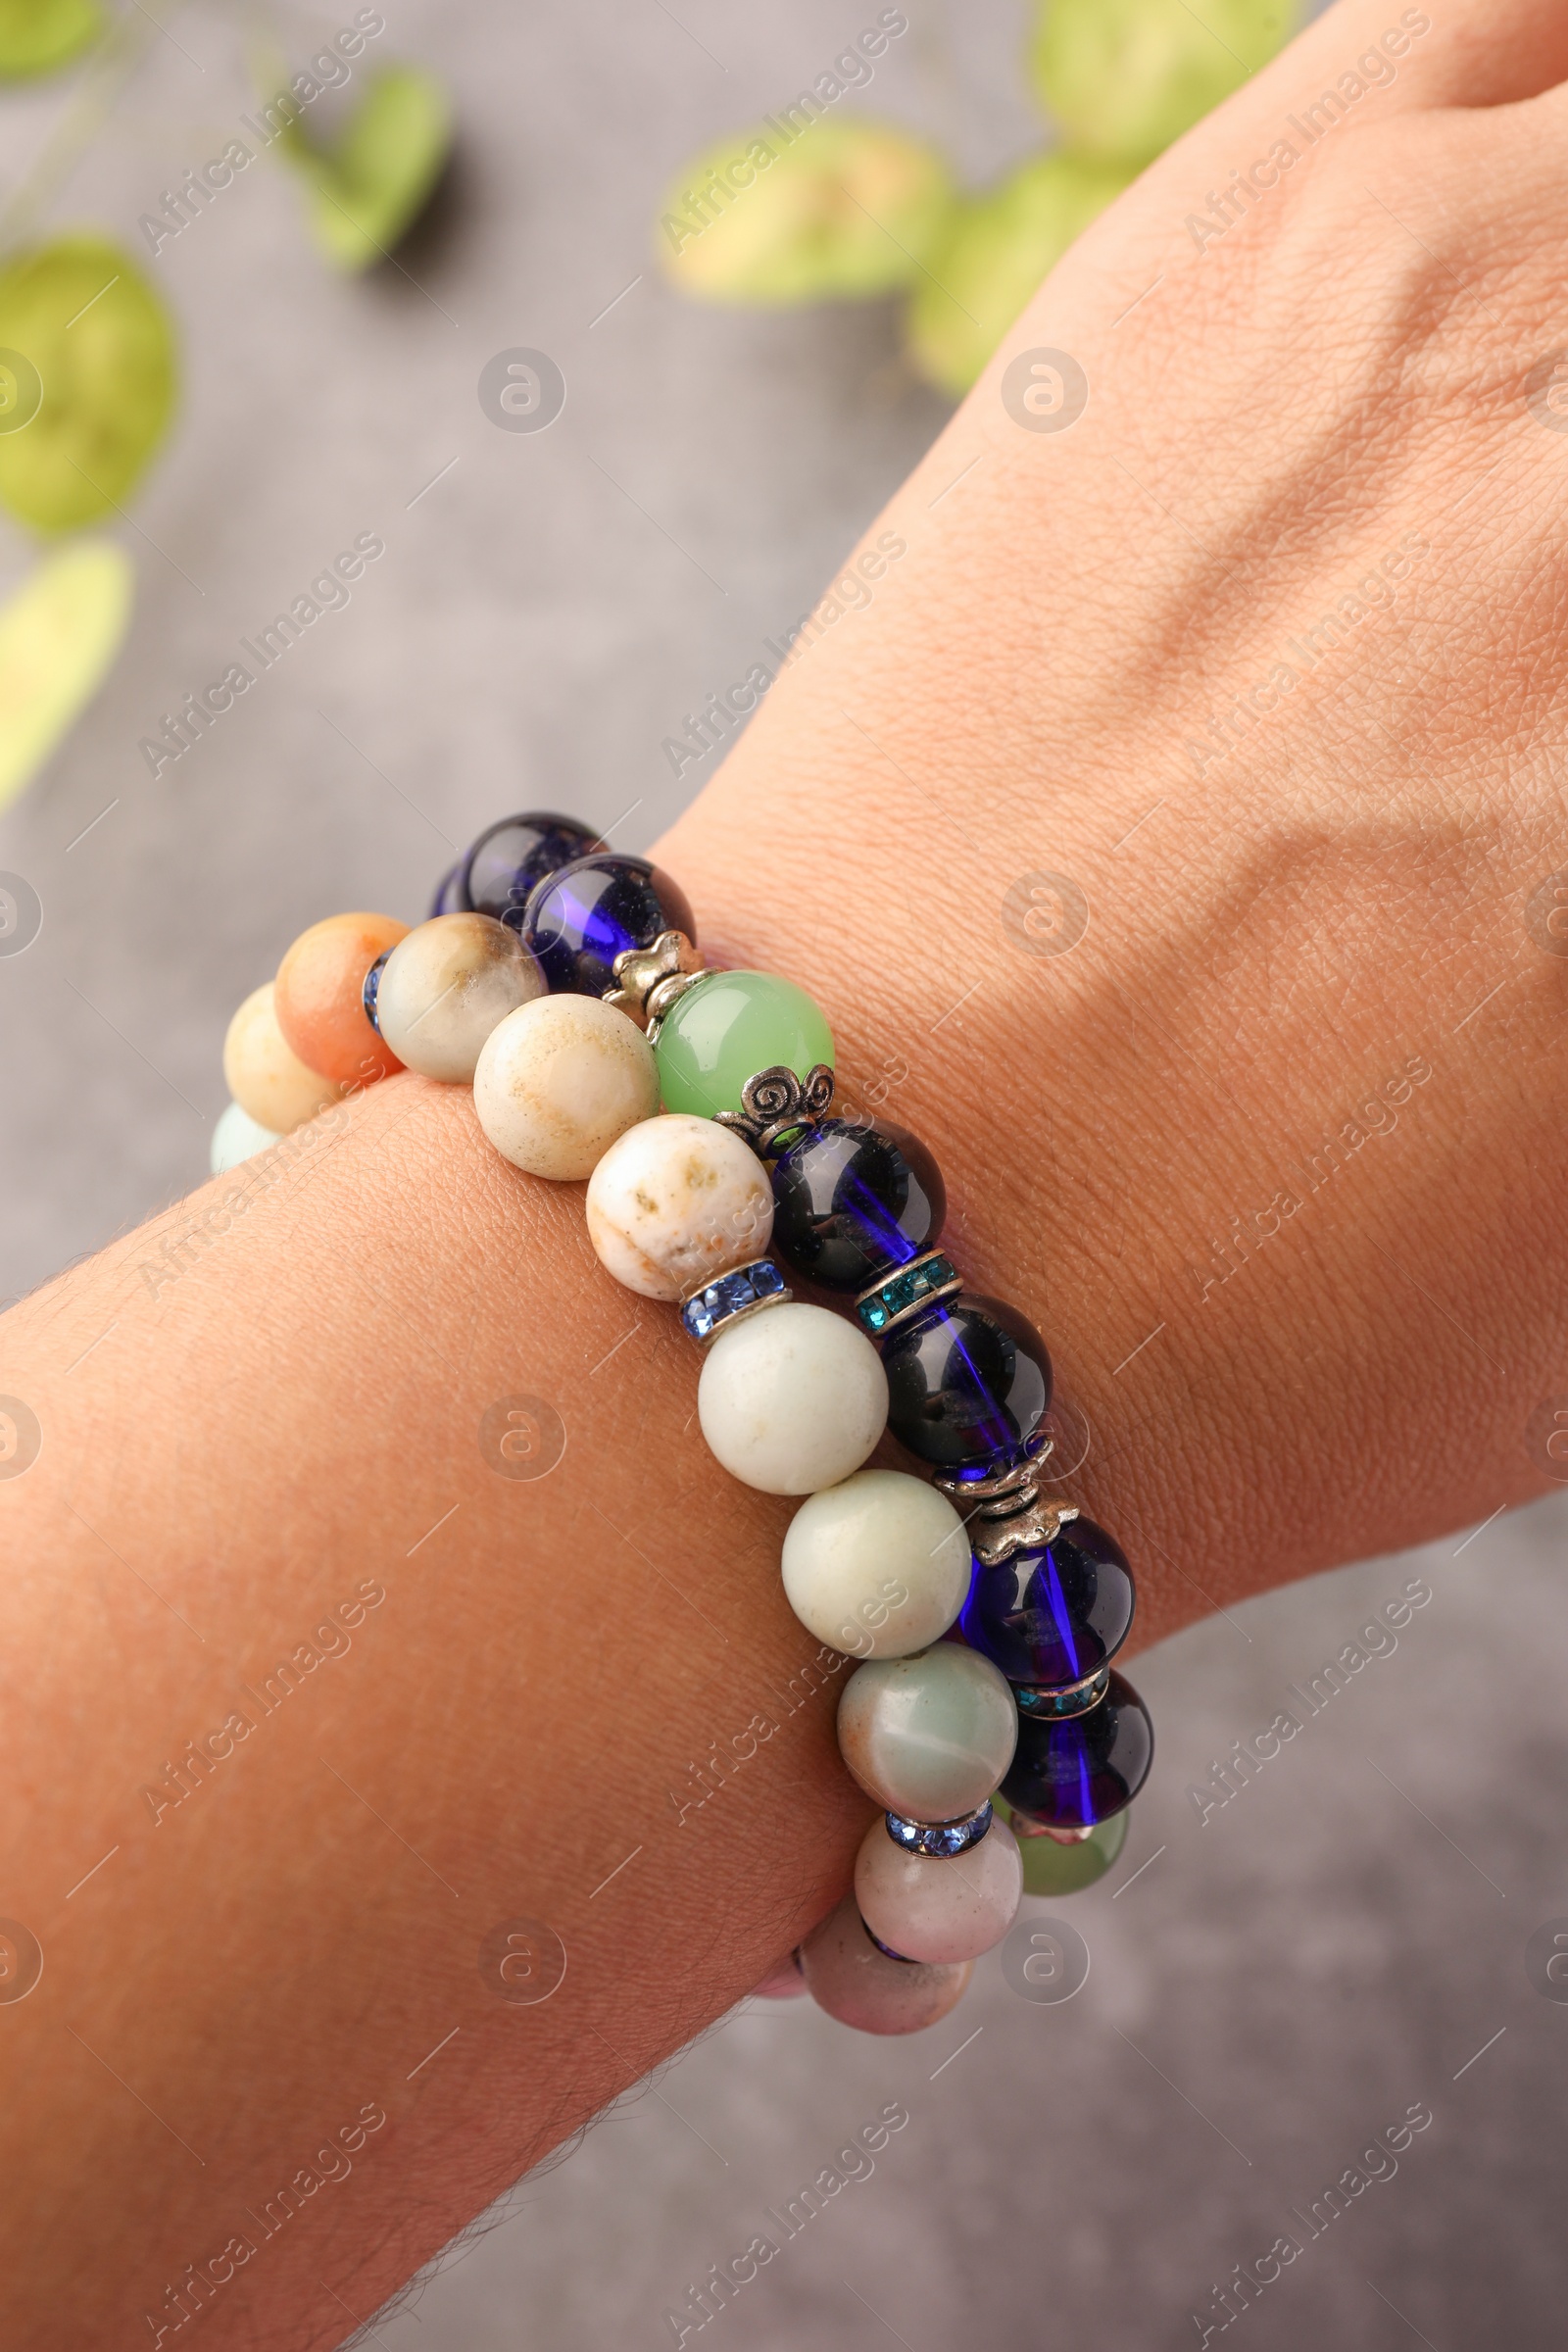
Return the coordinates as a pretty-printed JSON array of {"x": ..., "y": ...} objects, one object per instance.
[{"x": 562, "y": 981}]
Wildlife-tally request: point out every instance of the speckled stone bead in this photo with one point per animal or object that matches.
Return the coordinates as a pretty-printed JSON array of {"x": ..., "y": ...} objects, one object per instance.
[
  {"x": 939, "y": 1908},
  {"x": 444, "y": 988},
  {"x": 726, "y": 1029},
  {"x": 968, "y": 1384},
  {"x": 236, "y": 1137},
  {"x": 930, "y": 1735},
  {"x": 511, "y": 858},
  {"x": 1072, "y": 1774},
  {"x": 558, "y": 1080},
  {"x": 676, "y": 1201},
  {"x": 1055, "y": 1614},
  {"x": 792, "y": 1399},
  {"x": 321, "y": 996},
  {"x": 853, "y": 1200},
  {"x": 262, "y": 1072},
  {"x": 878, "y": 1565},
  {"x": 847, "y": 1977},
  {"x": 578, "y": 920}
]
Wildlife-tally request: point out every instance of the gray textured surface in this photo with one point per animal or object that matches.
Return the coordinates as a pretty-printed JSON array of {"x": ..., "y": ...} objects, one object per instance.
[{"x": 1278, "y": 1983}]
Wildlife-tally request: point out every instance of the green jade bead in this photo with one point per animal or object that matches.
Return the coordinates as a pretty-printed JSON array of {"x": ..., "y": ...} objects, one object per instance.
[
  {"x": 728, "y": 1027},
  {"x": 1049, "y": 1867}
]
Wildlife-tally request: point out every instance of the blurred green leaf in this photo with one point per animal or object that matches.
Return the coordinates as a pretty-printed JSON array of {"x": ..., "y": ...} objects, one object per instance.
[
  {"x": 98, "y": 348},
  {"x": 1125, "y": 77},
  {"x": 849, "y": 209},
  {"x": 369, "y": 187},
  {"x": 59, "y": 634},
  {"x": 998, "y": 249},
  {"x": 39, "y": 36}
]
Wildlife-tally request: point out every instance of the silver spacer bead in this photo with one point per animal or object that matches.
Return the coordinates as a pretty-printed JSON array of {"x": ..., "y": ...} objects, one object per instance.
[
  {"x": 1025, "y": 1825},
  {"x": 1036, "y": 1525},
  {"x": 890, "y": 1302},
  {"x": 944, "y": 1838},
  {"x": 650, "y": 980}
]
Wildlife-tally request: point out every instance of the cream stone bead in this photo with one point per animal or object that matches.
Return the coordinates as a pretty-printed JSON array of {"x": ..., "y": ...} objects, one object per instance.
[
  {"x": 558, "y": 1080},
  {"x": 675, "y": 1201},
  {"x": 446, "y": 985},
  {"x": 939, "y": 1907},
  {"x": 792, "y": 1399},
  {"x": 878, "y": 1565},
  {"x": 930, "y": 1736},
  {"x": 847, "y": 1977},
  {"x": 236, "y": 1137},
  {"x": 264, "y": 1074}
]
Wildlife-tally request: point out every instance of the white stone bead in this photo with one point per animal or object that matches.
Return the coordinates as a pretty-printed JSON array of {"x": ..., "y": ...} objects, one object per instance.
[
  {"x": 264, "y": 1074},
  {"x": 939, "y": 1907},
  {"x": 878, "y": 1566},
  {"x": 558, "y": 1080},
  {"x": 847, "y": 1977},
  {"x": 675, "y": 1201},
  {"x": 782, "y": 1983},
  {"x": 236, "y": 1137},
  {"x": 446, "y": 985},
  {"x": 930, "y": 1736},
  {"x": 791, "y": 1398}
]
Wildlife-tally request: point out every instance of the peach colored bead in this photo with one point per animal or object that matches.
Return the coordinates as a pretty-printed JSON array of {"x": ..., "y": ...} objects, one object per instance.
[
  {"x": 847, "y": 1977},
  {"x": 265, "y": 1075},
  {"x": 321, "y": 996},
  {"x": 939, "y": 1907}
]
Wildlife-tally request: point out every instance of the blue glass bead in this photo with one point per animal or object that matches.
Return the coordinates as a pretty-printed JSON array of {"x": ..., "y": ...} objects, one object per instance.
[
  {"x": 372, "y": 990},
  {"x": 968, "y": 1385},
  {"x": 1054, "y": 1613},
  {"x": 511, "y": 858},
  {"x": 854, "y": 1198},
  {"x": 449, "y": 897},
  {"x": 719, "y": 1302},
  {"x": 1071, "y": 1775},
  {"x": 944, "y": 1838},
  {"x": 580, "y": 919}
]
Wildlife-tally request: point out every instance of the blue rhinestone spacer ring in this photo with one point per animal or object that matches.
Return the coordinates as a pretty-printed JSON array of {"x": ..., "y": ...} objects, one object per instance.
[
  {"x": 939, "y": 1836},
  {"x": 739, "y": 1293},
  {"x": 897, "y": 1296}
]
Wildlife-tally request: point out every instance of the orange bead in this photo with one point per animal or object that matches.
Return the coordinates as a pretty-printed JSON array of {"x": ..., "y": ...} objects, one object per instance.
[{"x": 319, "y": 997}]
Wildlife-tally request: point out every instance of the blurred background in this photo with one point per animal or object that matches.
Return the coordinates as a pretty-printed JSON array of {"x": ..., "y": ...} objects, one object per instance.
[{"x": 1358, "y": 1934}]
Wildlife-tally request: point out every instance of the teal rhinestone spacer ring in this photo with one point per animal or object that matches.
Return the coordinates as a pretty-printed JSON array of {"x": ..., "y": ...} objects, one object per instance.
[{"x": 918, "y": 1284}]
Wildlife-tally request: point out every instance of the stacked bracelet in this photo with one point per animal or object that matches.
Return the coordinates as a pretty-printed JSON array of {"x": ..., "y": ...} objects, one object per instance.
[{"x": 562, "y": 982}]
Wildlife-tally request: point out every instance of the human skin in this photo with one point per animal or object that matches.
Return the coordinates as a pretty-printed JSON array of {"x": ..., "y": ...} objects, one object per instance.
[{"x": 277, "y": 1414}]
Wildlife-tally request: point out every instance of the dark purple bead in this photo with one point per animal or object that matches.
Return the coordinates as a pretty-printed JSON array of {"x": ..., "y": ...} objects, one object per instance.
[
  {"x": 968, "y": 1384},
  {"x": 1056, "y": 1613},
  {"x": 510, "y": 858},
  {"x": 854, "y": 1198},
  {"x": 581, "y": 919},
  {"x": 1070, "y": 1775},
  {"x": 449, "y": 897}
]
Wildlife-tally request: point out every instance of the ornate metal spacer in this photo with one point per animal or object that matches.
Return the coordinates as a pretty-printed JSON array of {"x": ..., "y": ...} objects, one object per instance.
[
  {"x": 779, "y": 1103},
  {"x": 649, "y": 980},
  {"x": 897, "y": 1296},
  {"x": 1002, "y": 1490},
  {"x": 1068, "y": 1699},
  {"x": 1038, "y": 1523}
]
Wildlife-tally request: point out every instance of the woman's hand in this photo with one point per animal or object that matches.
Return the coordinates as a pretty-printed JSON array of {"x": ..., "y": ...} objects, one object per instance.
[{"x": 1172, "y": 831}]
